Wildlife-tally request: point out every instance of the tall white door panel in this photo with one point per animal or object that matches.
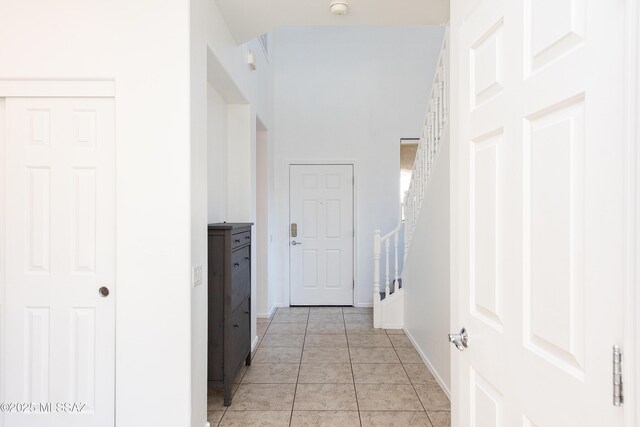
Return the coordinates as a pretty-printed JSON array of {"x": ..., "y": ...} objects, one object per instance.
[
  {"x": 321, "y": 234},
  {"x": 540, "y": 160},
  {"x": 58, "y": 328}
]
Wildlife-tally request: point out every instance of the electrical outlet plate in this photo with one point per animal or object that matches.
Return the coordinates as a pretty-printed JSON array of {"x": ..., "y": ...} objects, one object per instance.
[{"x": 196, "y": 275}]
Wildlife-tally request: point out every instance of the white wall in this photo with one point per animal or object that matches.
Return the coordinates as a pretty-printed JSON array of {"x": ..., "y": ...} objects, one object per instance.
[
  {"x": 226, "y": 99},
  {"x": 350, "y": 94},
  {"x": 262, "y": 221},
  {"x": 143, "y": 46},
  {"x": 216, "y": 156},
  {"x": 426, "y": 273}
]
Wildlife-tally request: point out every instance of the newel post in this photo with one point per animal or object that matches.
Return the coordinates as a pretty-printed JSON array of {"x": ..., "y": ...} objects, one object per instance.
[{"x": 377, "y": 314}]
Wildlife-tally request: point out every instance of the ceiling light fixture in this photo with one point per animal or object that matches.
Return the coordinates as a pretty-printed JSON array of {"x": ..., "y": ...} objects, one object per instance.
[{"x": 339, "y": 7}]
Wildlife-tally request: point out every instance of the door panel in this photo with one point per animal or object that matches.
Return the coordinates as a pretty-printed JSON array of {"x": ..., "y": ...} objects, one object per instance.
[
  {"x": 58, "y": 332},
  {"x": 321, "y": 261},
  {"x": 540, "y": 167}
]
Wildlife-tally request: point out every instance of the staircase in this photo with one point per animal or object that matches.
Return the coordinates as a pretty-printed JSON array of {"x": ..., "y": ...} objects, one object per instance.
[{"x": 388, "y": 300}]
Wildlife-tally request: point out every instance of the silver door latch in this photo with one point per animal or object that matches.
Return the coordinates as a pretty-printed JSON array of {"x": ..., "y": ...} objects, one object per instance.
[{"x": 461, "y": 340}]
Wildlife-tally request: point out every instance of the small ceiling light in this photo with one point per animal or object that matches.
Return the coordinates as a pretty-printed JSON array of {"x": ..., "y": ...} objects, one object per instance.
[{"x": 339, "y": 7}]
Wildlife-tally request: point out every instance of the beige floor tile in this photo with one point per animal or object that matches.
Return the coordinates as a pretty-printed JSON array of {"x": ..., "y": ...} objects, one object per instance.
[
  {"x": 325, "y": 340},
  {"x": 408, "y": 355},
  {"x": 363, "y": 328},
  {"x": 290, "y": 317},
  {"x": 215, "y": 398},
  {"x": 283, "y": 340},
  {"x": 359, "y": 318},
  {"x": 387, "y": 397},
  {"x": 325, "y": 397},
  {"x": 321, "y": 373},
  {"x": 419, "y": 373},
  {"x": 277, "y": 355},
  {"x": 256, "y": 419},
  {"x": 325, "y": 355},
  {"x": 394, "y": 331},
  {"x": 321, "y": 327},
  {"x": 271, "y": 373},
  {"x": 440, "y": 419},
  {"x": 368, "y": 340},
  {"x": 432, "y": 397},
  {"x": 357, "y": 310},
  {"x": 325, "y": 419},
  {"x": 326, "y": 309},
  {"x": 214, "y": 417},
  {"x": 323, "y": 316},
  {"x": 400, "y": 341},
  {"x": 287, "y": 328},
  {"x": 394, "y": 419},
  {"x": 373, "y": 355},
  {"x": 293, "y": 310},
  {"x": 379, "y": 373},
  {"x": 263, "y": 397}
]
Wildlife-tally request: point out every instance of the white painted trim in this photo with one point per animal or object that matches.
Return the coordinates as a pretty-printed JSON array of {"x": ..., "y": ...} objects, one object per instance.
[
  {"x": 364, "y": 305},
  {"x": 254, "y": 344},
  {"x": 268, "y": 315},
  {"x": 57, "y": 88},
  {"x": 426, "y": 361},
  {"x": 3, "y": 246},
  {"x": 631, "y": 344},
  {"x": 354, "y": 164}
]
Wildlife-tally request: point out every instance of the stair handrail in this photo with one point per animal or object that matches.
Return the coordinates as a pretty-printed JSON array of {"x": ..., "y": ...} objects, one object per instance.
[{"x": 436, "y": 120}]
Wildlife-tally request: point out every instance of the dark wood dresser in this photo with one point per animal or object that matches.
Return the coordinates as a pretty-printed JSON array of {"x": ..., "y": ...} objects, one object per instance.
[{"x": 229, "y": 302}]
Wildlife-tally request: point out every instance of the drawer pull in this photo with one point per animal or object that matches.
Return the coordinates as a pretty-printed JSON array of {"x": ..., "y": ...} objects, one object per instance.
[
  {"x": 236, "y": 325},
  {"x": 247, "y": 237},
  {"x": 237, "y": 240},
  {"x": 236, "y": 264},
  {"x": 247, "y": 258},
  {"x": 246, "y": 312}
]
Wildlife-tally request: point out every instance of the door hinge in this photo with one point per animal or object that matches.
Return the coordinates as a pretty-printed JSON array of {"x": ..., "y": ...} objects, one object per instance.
[{"x": 618, "y": 396}]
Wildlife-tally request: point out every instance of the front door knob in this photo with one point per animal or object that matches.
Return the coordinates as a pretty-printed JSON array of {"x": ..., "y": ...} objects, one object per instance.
[
  {"x": 293, "y": 242},
  {"x": 461, "y": 340},
  {"x": 103, "y": 291}
]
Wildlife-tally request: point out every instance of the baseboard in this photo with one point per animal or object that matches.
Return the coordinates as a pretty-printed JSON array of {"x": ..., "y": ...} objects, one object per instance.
[
  {"x": 254, "y": 344},
  {"x": 207, "y": 424},
  {"x": 268, "y": 315},
  {"x": 392, "y": 326},
  {"x": 364, "y": 305},
  {"x": 426, "y": 361}
]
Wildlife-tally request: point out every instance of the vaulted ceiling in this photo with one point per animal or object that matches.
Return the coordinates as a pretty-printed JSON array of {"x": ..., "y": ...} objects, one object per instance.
[{"x": 248, "y": 19}]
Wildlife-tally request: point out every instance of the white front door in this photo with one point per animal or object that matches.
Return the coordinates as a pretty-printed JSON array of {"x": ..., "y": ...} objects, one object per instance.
[
  {"x": 58, "y": 329},
  {"x": 321, "y": 234},
  {"x": 539, "y": 153}
]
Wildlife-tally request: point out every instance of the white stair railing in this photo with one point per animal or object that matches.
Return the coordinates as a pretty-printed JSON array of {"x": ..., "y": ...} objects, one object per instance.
[{"x": 432, "y": 132}]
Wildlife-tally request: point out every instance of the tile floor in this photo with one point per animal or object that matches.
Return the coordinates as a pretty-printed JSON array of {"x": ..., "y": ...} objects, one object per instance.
[{"x": 327, "y": 366}]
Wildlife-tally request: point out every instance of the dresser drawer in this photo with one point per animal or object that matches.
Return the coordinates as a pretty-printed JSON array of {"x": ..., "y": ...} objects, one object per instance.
[
  {"x": 240, "y": 239},
  {"x": 239, "y": 335},
  {"x": 241, "y": 275}
]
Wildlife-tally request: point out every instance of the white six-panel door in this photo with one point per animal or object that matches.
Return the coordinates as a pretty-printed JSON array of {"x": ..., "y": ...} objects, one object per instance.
[
  {"x": 321, "y": 255},
  {"x": 540, "y": 174},
  {"x": 58, "y": 332}
]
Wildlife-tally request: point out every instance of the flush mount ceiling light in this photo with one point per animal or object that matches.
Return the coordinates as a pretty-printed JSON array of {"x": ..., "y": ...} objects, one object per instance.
[{"x": 339, "y": 7}]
